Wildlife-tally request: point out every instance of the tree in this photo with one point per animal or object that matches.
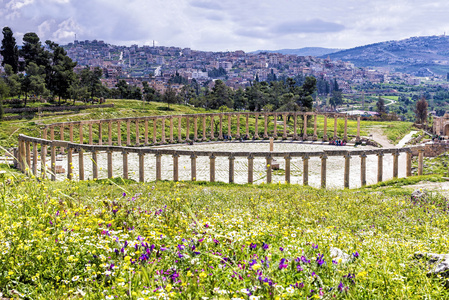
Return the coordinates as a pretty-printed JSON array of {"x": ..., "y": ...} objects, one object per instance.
[
  {"x": 9, "y": 50},
  {"x": 33, "y": 51},
  {"x": 60, "y": 75},
  {"x": 336, "y": 98},
  {"x": 221, "y": 95},
  {"x": 380, "y": 106},
  {"x": 4, "y": 91},
  {"x": 91, "y": 79},
  {"x": 170, "y": 96},
  {"x": 34, "y": 81},
  {"x": 421, "y": 111},
  {"x": 305, "y": 99}
]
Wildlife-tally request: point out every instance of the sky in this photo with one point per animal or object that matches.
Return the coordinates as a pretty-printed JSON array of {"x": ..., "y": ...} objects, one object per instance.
[{"x": 227, "y": 25}]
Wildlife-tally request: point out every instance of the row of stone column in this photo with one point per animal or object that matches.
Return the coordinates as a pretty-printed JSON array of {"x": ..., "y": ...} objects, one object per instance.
[
  {"x": 28, "y": 164},
  {"x": 172, "y": 139}
]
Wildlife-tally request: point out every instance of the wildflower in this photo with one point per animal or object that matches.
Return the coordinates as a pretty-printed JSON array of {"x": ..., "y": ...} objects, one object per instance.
[
  {"x": 283, "y": 264},
  {"x": 290, "y": 290},
  {"x": 75, "y": 278},
  {"x": 356, "y": 254},
  {"x": 256, "y": 267}
]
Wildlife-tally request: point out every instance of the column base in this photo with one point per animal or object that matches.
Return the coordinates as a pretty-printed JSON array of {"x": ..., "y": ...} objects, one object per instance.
[
  {"x": 284, "y": 137},
  {"x": 265, "y": 136},
  {"x": 305, "y": 137},
  {"x": 325, "y": 138},
  {"x": 315, "y": 137},
  {"x": 256, "y": 136}
]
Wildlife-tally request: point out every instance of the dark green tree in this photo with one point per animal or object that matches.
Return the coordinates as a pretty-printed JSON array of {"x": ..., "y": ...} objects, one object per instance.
[
  {"x": 33, "y": 51},
  {"x": 380, "y": 106},
  {"x": 336, "y": 99},
  {"x": 91, "y": 79},
  {"x": 4, "y": 92},
  {"x": 60, "y": 74},
  {"x": 33, "y": 82},
  {"x": 9, "y": 50},
  {"x": 170, "y": 96},
  {"x": 421, "y": 111},
  {"x": 221, "y": 95}
]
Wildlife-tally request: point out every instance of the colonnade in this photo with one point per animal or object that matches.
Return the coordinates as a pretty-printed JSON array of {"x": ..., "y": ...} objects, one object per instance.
[
  {"x": 29, "y": 147},
  {"x": 235, "y": 128}
]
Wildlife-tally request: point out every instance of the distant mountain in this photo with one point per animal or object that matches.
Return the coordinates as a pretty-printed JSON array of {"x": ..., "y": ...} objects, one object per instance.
[
  {"x": 307, "y": 51},
  {"x": 420, "y": 56}
]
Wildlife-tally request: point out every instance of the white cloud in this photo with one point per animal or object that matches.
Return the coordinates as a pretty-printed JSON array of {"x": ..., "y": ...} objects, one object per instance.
[{"x": 227, "y": 24}]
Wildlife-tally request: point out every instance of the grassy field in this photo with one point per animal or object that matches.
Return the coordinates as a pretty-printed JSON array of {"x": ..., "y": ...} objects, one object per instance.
[
  {"x": 123, "y": 240},
  {"x": 9, "y": 130}
]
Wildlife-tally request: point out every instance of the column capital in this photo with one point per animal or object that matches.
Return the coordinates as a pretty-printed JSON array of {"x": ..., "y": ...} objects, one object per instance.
[
  {"x": 288, "y": 157},
  {"x": 250, "y": 156},
  {"x": 176, "y": 155},
  {"x": 232, "y": 157},
  {"x": 380, "y": 154},
  {"x": 212, "y": 156},
  {"x": 124, "y": 152},
  {"x": 348, "y": 155},
  {"x": 305, "y": 157},
  {"x": 193, "y": 156},
  {"x": 363, "y": 155},
  {"x": 323, "y": 156}
]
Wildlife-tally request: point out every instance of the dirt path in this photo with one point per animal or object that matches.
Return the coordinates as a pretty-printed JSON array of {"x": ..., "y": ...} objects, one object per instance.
[{"x": 378, "y": 135}]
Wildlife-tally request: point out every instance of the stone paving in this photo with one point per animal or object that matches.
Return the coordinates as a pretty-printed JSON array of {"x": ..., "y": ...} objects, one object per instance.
[{"x": 335, "y": 165}]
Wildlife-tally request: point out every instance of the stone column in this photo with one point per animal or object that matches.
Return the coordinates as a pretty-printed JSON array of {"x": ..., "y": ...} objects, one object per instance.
[
  {"x": 158, "y": 167},
  {"x": 35, "y": 159},
  {"x": 28, "y": 156},
  {"x": 420, "y": 161},
  {"x": 305, "y": 137},
  {"x": 305, "y": 168},
  {"x": 90, "y": 134},
  {"x": 81, "y": 133},
  {"x": 269, "y": 169},
  {"x": 154, "y": 131},
  {"x": 250, "y": 169},
  {"x": 175, "y": 167},
  {"x": 335, "y": 126},
  {"x": 265, "y": 129},
  {"x": 247, "y": 125},
  {"x": 325, "y": 137},
  {"x": 323, "y": 170},
  {"x": 171, "y": 131},
  {"x": 193, "y": 167},
  {"x": 81, "y": 163},
  {"x": 237, "y": 136},
  {"x": 146, "y": 131},
  {"x": 100, "y": 134},
  {"x": 212, "y": 137},
  {"x": 163, "y": 131},
  {"x": 231, "y": 169},
  {"x": 345, "y": 135},
  {"x": 220, "y": 134},
  {"x": 61, "y": 137},
  {"x": 110, "y": 133},
  {"x": 347, "y": 170},
  {"x": 357, "y": 138},
  {"x": 69, "y": 163},
  {"x": 109, "y": 153},
  {"x": 315, "y": 129},
  {"x": 71, "y": 133},
  {"x": 142, "y": 166},
  {"x": 53, "y": 162},
  {"x": 380, "y": 156},
  {"x": 137, "y": 132},
  {"x": 288, "y": 159},
  {"x": 271, "y": 144},
  {"x": 204, "y": 138},
  {"x": 284, "y": 135},
  {"x": 295, "y": 126},
  {"x": 119, "y": 133},
  {"x": 179, "y": 130},
  {"x": 395, "y": 164},
  {"x": 52, "y": 133},
  {"x": 94, "y": 164},
  {"x": 212, "y": 167},
  {"x": 229, "y": 126},
  {"x": 128, "y": 132},
  {"x": 44, "y": 156},
  {"x": 363, "y": 169},
  {"x": 187, "y": 129},
  {"x": 275, "y": 132},
  {"x": 195, "y": 128},
  {"x": 125, "y": 164},
  {"x": 409, "y": 164}
]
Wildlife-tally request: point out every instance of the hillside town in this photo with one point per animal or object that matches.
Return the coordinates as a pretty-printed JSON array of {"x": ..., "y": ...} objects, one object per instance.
[{"x": 157, "y": 64}]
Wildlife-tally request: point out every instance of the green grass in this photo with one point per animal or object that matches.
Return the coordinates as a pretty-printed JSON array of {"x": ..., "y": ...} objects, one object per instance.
[
  {"x": 101, "y": 239},
  {"x": 9, "y": 130}
]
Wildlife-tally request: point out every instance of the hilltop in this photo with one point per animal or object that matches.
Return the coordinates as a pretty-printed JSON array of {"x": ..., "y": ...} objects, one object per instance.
[
  {"x": 307, "y": 51},
  {"x": 421, "y": 56}
]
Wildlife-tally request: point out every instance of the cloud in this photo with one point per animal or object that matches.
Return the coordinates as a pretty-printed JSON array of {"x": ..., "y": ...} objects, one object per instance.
[
  {"x": 212, "y": 5},
  {"x": 309, "y": 26}
]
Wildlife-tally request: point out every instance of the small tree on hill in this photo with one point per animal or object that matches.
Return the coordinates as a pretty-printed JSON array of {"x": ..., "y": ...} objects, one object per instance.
[
  {"x": 380, "y": 107},
  {"x": 421, "y": 111}
]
